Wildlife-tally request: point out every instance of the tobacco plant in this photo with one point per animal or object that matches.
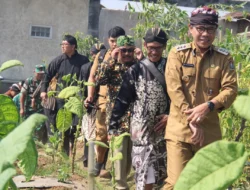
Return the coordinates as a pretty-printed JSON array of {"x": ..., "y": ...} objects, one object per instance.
[{"x": 16, "y": 143}]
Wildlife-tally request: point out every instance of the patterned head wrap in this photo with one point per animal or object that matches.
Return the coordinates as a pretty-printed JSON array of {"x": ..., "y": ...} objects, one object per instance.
[
  {"x": 156, "y": 35},
  {"x": 125, "y": 40},
  {"x": 204, "y": 16}
]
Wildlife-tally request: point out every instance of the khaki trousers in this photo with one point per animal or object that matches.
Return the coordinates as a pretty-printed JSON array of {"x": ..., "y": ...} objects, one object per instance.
[
  {"x": 178, "y": 154},
  {"x": 101, "y": 129},
  {"x": 123, "y": 167}
]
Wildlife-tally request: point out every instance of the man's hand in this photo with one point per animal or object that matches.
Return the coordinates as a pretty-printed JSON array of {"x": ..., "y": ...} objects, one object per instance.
[
  {"x": 138, "y": 54},
  {"x": 115, "y": 53},
  {"x": 162, "y": 122},
  {"x": 44, "y": 96},
  {"x": 198, "y": 134},
  {"x": 88, "y": 100},
  {"x": 22, "y": 113},
  {"x": 197, "y": 114}
]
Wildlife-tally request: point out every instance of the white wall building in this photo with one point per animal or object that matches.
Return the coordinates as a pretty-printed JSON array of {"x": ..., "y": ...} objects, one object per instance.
[{"x": 31, "y": 30}]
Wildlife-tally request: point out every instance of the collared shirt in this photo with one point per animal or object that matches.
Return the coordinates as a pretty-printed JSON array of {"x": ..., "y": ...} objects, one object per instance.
[
  {"x": 144, "y": 92},
  {"x": 110, "y": 74},
  {"x": 193, "y": 79},
  {"x": 63, "y": 65}
]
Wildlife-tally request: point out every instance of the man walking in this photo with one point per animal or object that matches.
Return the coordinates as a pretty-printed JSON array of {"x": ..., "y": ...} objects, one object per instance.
[
  {"x": 30, "y": 101},
  {"x": 101, "y": 128},
  {"x": 201, "y": 82},
  {"x": 69, "y": 62},
  {"x": 144, "y": 89},
  {"x": 111, "y": 73}
]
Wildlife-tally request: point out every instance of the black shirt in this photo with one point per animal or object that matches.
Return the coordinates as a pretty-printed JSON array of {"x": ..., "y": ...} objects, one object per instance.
[{"x": 64, "y": 65}]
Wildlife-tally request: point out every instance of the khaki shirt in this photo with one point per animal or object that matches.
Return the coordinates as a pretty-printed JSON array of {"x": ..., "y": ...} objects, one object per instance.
[
  {"x": 103, "y": 88},
  {"x": 192, "y": 80}
]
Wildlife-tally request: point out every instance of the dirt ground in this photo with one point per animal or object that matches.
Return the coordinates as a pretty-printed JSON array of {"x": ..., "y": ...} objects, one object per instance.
[{"x": 48, "y": 169}]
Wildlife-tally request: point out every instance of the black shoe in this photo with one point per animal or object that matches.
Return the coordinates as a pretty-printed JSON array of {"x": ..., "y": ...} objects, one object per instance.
[
  {"x": 85, "y": 163},
  {"x": 97, "y": 169}
]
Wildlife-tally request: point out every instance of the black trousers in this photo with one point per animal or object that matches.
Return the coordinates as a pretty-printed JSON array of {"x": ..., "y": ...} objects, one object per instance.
[{"x": 69, "y": 135}]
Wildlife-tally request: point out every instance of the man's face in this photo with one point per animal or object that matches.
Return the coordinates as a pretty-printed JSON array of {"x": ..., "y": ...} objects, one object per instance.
[
  {"x": 112, "y": 43},
  {"x": 203, "y": 35},
  {"x": 39, "y": 76},
  {"x": 67, "y": 48},
  {"x": 154, "y": 50},
  {"x": 126, "y": 54}
]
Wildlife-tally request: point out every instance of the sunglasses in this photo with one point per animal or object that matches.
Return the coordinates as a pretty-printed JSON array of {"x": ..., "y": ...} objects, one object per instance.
[{"x": 124, "y": 50}]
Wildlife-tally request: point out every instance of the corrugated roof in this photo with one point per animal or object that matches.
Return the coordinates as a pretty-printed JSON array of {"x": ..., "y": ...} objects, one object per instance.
[
  {"x": 238, "y": 15},
  {"x": 123, "y": 5}
]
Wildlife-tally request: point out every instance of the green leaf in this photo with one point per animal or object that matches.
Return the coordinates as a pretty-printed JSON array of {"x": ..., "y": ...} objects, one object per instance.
[
  {"x": 5, "y": 176},
  {"x": 28, "y": 160},
  {"x": 49, "y": 150},
  {"x": 16, "y": 141},
  {"x": 118, "y": 156},
  {"x": 89, "y": 84},
  {"x": 242, "y": 106},
  {"x": 66, "y": 78},
  {"x": 75, "y": 106},
  {"x": 9, "y": 64},
  {"x": 118, "y": 140},
  {"x": 101, "y": 144},
  {"x": 63, "y": 120},
  {"x": 68, "y": 92},
  {"x": 215, "y": 167},
  {"x": 9, "y": 116},
  {"x": 12, "y": 185},
  {"x": 51, "y": 93}
]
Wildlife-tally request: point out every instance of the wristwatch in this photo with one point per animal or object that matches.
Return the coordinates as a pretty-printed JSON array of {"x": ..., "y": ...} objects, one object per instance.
[{"x": 210, "y": 105}]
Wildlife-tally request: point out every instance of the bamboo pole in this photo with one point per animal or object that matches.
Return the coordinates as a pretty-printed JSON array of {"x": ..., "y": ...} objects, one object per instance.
[{"x": 91, "y": 156}]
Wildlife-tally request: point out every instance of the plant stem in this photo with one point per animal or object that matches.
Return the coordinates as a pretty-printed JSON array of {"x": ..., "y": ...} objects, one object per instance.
[
  {"x": 62, "y": 142},
  {"x": 74, "y": 148},
  {"x": 242, "y": 127}
]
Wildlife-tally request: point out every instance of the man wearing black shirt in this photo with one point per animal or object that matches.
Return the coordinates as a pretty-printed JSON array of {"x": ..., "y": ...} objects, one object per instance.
[{"x": 69, "y": 62}]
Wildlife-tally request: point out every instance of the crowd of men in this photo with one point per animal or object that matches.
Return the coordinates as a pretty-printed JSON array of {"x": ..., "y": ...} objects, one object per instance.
[{"x": 168, "y": 105}]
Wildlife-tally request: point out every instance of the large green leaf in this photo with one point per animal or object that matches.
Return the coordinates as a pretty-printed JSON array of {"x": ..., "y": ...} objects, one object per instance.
[
  {"x": 68, "y": 92},
  {"x": 242, "y": 106},
  {"x": 63, "y": 120},
  {"x": 9, "y": 64},
  {"x": 215, "y": 167},
  {"x": 5, "y": 177},
  {"x": 16, "y": 141},
  {"x": 75, "y": 106},
  {"x": 12, "y": 185},
  {"x": 9, "y": 115},
  {"x": 28, "y": 160}
]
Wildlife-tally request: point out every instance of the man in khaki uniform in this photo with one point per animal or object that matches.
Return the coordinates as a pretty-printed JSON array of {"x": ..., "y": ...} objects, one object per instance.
[
  {"x": 101, "y": 128},
  {"x": 201, "y": 81}
]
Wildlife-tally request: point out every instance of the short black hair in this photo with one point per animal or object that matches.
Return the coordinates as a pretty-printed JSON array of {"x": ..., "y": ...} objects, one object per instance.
[
  {"x": 71, "y": 40},
  {"x": 116, "y": 31}
]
